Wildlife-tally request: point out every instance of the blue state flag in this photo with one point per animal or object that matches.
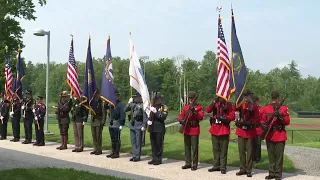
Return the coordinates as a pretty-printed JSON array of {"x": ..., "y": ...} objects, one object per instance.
[
  {"x": 89, "y": 85},
  {"x": 19, "y": 77},
  {"x": 107, "y": 84},
  {"x": 238, "y": 70}
]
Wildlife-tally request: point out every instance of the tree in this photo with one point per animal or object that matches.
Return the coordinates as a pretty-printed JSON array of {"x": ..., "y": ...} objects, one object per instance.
[{"x": 10, "y": 29}]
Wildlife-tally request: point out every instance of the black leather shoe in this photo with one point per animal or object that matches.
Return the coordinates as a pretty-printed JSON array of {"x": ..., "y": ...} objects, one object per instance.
[
  {"x": 136, "y": 159},
  {"x": 12, "y": 140},
  {"x": 269, "y": 177},
  {"x": 156, "y": 163},
  {"x": 115, "y": 156},
  {"x": 41, "y": 144},
  {"x": 223, "y": 171},
  {"x": 186, "y": 167},
  {"x": 241, "y": 173},
  {"x": 194, "y": 168},
  {"x": 93, "y": 152},
  {"x": 35, "y": 144},
  {"x": 75, "y": 150},
  {"x": 131, "y": 159},
  {"x": 214, "y": 169},
  {"x": 151, "y": 162},
  {"x": 79, "y": 150},
  {"x": 109, "y": 155},
  {"x": 98, "y": 152},
  {"x": 249, "y": 174},
  {"x": 16, "y": 140}
]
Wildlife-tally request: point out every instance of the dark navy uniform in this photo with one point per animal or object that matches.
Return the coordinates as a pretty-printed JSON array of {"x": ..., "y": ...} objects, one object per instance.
[
  {"x": 39, "y": 113},
  {"x": 27, "y": 106},
  {"x": 157, "y": 129},
  {"x": 4, "y": 116},
  {"x": 116, "y": 121},
  {"x": 16, "y": 116}
]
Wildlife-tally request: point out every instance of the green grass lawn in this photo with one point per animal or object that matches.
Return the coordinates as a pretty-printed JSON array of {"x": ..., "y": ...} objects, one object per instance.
[
  {"x": 174, "y": 147},
  {"x": 51, "y": 174}
]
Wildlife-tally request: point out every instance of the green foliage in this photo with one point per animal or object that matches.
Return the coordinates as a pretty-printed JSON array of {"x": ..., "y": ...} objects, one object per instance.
[
  {"x": 164, "y": 75},
  {"x": 10, "y": 29}
]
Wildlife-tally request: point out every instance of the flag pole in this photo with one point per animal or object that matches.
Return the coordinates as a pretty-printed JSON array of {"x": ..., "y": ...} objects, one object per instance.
[{"x": 131, "y": 93}]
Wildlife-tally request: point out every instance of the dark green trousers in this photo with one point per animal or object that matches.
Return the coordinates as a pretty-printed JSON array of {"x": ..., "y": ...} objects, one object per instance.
[
  {"x": 275, "y": 154},
  {"x": 220, "y": 151},
  {"x": 245, "y": 153},
  {"x": 97, "y": 137},
  {"x": 191, "y": 142}
]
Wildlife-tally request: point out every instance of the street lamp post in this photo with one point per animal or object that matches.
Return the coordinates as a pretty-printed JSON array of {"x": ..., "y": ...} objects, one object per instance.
[{"x": 41, "y": 32}]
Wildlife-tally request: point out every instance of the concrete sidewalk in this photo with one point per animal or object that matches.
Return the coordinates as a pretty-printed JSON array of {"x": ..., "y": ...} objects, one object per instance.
[{"x": 169, "y": 170}]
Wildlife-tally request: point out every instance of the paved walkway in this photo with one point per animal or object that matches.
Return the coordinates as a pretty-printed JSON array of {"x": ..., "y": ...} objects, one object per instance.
[{"x": 169, "y": 170}]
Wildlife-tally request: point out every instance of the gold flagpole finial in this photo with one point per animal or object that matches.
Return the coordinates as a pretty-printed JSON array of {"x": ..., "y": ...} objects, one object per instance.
[
  {"x": 6, "y": 48},
  {"x": 89, "y": 36},
  {"x": 19, "y": 49},
  {"x": 71, "y": 36}
]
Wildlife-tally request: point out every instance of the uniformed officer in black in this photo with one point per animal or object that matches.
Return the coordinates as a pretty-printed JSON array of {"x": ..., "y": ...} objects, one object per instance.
[
  {"x": 116, "y": 121},
  {"x": 39, "y": 113},
  {"x": 28, "y": 116},
  {"x": 4, "y": 117},
  {"x": 156, "y": 126},
  {"x": 15, "y": 115}
]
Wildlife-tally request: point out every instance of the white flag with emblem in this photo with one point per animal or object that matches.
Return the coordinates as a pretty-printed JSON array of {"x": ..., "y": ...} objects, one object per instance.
[{"x": 137, "y": 79}]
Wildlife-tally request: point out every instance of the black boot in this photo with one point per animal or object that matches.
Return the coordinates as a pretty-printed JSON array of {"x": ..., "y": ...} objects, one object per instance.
[
  {"x": 112, "y": 150},
  {"x": 117, "y": 151}
]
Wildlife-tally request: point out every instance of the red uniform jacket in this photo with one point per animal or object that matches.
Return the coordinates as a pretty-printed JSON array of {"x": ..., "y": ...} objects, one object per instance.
[
  {"x": 258, "y": 128},
  {"x": 251, "y": 132},
  {"x": 276, "y": 135},
  {"x": 192, "y": 130},
  {"x": 219, "y": 129}
]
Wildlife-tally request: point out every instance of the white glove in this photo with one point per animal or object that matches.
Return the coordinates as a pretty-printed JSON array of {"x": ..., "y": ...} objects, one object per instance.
[
  {"x": 153, "y": 109},
  {"x": 11, "y": 113},
  {"x": 130, "y": 100},
  {"x": 33, "y": 110},
  {"x": 142, "y": 128},
  {"x": 36, "y": 118},
  {"x": 1, "y": 117},
  {"x": 22, "y": 107},
  {"x": 120, "y": 128},
  {"x": 83, "y": 123},
  {"x": 149, "y": 123}
]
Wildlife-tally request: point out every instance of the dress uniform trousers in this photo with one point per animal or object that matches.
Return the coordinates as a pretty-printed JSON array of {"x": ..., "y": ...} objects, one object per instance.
[
  {"x": 16, "y": 126},
  {"x": 275, "y": 155},
  {"x": 78, "y": 135},
  {"x": 220, "y": 151},
  {"x": 191, "y": 142},
  {"x": 39, "y": 131},
  {"x": 245, "y": 147},
  {"x": 3, "y": 128},
  {"x": 28, "y": 121}
]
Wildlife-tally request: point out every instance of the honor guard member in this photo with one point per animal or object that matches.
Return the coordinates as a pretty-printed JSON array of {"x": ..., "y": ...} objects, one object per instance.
[
  {"x": 222, "y": 114},
  {"x": 27, "y": 107},
  {"x": 39, "y": 113},
  {"x": 79, "y": 117},
  {"x": 190, "y": 117},
  {"x": 157, "y": 128},
  {"x": 4, "y": 117},
  {"x": 246, "y": 132},
  {"x": 64, "y": 107},
  {"x": 116, "y": 122},
  {"x": 138, "y": 120},
  {"x": 277, "y": 135},
  {"x": 15, "y": 117},
  {"x": 98, "y": 119},
  {"x": 257, "y": 139}
]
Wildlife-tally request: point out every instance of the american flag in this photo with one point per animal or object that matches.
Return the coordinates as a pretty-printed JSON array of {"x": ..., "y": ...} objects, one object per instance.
[
  {"x": 223, "y": 86},
  {"x": 9, "y": 80},
  {"x": 72, "y": 75}
]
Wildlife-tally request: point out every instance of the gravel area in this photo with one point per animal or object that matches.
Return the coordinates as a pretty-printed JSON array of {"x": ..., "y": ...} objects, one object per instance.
[
  {"x": 122, "y": 167},
  {"x": 305, "y": 159}
]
